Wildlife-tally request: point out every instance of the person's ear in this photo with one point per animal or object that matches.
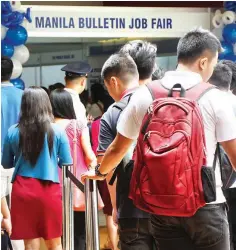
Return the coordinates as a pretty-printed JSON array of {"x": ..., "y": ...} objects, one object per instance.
[
  {"x": 203, "y": 63},
  {"x": 113, "y": 81},
  {"x": 83, "y": 82}
]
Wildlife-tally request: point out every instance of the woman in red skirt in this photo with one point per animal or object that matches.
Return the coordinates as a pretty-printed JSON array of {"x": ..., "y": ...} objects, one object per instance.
[{"x": 35, "y": 147}]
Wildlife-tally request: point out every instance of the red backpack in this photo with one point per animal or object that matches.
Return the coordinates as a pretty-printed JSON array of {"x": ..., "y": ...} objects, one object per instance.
[{"x": 170, "y": 176}]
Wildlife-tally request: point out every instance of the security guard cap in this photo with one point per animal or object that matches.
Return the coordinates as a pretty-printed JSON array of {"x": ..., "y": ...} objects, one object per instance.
[{"x": 77, "y": 68}]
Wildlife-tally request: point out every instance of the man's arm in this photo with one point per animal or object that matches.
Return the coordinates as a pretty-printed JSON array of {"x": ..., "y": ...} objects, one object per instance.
[
  {"x": 113, "y": 156},
  {"x": 128, "y": 130}
]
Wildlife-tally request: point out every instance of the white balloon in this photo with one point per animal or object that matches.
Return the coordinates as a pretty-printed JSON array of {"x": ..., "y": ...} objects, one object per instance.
[
  {"x": 17, "y": 69},
  {"x": 21, "y": 54},
  {"x": 3, "y": 32},
  {"x": 228, "y": 17},
  {"x": 217, "y": 21},
  {"x": 218, "y": 12},
  {"x": 15, "y": 5},
  {"x": 234, "y": 46},
  {"x": 218, "y": 33}
]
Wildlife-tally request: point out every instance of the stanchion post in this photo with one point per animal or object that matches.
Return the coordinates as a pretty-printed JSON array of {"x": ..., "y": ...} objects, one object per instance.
[
  {"x": 68, "y": 214},
  {"x": 92, "y": 227},
  {"x": 88, "y": 213},
  {"x": 96, "y": 243}
]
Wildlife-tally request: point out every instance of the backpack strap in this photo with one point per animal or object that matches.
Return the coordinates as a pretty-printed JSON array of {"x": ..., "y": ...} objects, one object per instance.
[
  {"x": 198, "y": 91},
  {"x": 123, "y": 103},
  {"x": 121, "y": 106},
  {"x": 195, "y": 93},
  {"x": 157, "y": 90}
]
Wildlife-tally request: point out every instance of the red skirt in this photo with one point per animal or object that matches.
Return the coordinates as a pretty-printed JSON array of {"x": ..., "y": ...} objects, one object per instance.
[{"x": 36, "y": 209}]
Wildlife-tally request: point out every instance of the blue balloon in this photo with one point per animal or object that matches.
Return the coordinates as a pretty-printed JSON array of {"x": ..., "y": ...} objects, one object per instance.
[
  {"x": 231, "y": 57},
  {"x": 7, "y": 49},
  {"x": 227, "y": 50},
  {"x": 229, "y": 33},
  {"x": 16, "y": 35},
  {"x": 18, "y": 83},
  {"x": 15, "y": 18},
  {"x": 230, "y": 5},
  {"x": 6, "y": 7}
]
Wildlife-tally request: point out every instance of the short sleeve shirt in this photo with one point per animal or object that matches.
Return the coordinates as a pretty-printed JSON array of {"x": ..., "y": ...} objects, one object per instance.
[
  {"x": 107, "y": 134},
  {"x": 46, "y": 167},
  {"x": 79, "y": 108},
  {"x": 217, "y": 112}
]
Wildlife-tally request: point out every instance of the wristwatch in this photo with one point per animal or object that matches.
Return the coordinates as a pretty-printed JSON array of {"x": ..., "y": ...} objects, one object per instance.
[{"x": 98, "y": 173}]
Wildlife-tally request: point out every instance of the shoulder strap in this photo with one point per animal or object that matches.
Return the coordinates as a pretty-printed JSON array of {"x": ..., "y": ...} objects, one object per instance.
[
  {"x": 74, "y": 148},
  {"x": 100, "y": 107},
  {"x": 157, "y": 90},
  {"x": 198, "y": 91},
  {"x": 195, "y": 93},
  {"x": 123, "y": 103}
]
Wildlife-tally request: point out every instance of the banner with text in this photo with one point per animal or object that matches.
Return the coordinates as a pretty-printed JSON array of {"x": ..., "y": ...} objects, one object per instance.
[{"x": 61, "y": 21}]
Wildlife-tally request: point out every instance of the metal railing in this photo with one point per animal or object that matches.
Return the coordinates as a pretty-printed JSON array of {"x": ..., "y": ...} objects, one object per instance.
[{"x": 91, "y": 201}]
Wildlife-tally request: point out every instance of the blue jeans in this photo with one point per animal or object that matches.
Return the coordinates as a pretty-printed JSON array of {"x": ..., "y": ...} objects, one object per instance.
[
  {"x": 208, "y": 229},
  {"x": 134, "y": 234}
]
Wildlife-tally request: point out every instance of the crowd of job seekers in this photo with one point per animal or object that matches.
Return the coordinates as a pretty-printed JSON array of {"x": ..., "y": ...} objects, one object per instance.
[{"x": 123, "y": 137}]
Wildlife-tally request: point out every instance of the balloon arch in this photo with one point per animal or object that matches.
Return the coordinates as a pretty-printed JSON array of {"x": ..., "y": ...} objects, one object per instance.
[
  {"x": 225, "y": 29},
  {"x": 14, "y": 36}
]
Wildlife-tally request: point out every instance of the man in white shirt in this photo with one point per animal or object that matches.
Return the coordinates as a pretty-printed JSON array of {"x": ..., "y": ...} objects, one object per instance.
[
  {"x": 76, "y": 79},
  {"x": 208, "y": 229},
  {"x": 222, "y": 77}
]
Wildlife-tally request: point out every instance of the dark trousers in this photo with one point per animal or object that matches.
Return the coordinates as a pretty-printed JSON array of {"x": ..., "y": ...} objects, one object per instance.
[
  {"x": 230, "y": 195},
  {"x": 208, "y": 229},
  {"x": 79, "y": 231},
  {"x": 135, "y": 234}
]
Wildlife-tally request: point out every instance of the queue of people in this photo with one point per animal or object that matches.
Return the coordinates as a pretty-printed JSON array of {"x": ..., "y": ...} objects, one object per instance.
[
  {"x": 184, "y": 214},
  {"x": 154, "y": 149}
]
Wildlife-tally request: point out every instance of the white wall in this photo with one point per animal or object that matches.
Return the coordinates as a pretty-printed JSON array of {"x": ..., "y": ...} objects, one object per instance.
[{"x": 52, "y": 74}]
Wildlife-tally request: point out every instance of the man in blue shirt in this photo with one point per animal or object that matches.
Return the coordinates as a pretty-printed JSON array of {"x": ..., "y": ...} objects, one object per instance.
[
  {"x": 10, "y": 109},
  {"x": 10, "y": 98}
]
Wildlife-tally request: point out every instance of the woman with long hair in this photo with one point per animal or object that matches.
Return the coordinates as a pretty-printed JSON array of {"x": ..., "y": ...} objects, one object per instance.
[
  {"x": 81, "y": 150},
  {"x": 101, "y": 101},
  {"x": 35, "y": 147}
]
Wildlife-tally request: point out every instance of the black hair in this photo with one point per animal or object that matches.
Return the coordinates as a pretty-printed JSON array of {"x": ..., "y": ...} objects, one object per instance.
[
  {"x": 98, "y": 93},
  {"x": 57, "y": 85},
  {"x": 71, "y": 77},
  {"x": 232, "y": 66},
  {"x": 45, "y": 89},
  {"x": 193, "y": 44},
  {"x": 143, "y": 54},
  {"x": 121, "y": 66},
  {"x": 62, "y": 104},
  {"x": 158, "y": 74},
  {"x": 6, "y": 68},
  {"x": 84, "y": 97},
  {"x": 35, "y": 123},
  {"x": 221, "y": 77}
]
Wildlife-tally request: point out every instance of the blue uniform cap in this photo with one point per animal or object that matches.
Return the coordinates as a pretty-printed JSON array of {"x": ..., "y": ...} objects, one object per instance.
[{"x": 77, "y": 68}]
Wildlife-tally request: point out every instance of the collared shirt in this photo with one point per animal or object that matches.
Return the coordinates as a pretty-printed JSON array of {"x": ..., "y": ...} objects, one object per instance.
[
  {"x": 107, "y": 134},
  {"x": 218, "y": 116},
  {"x": 79, "y": 108},
  {"x": 10, "y": 107}
]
